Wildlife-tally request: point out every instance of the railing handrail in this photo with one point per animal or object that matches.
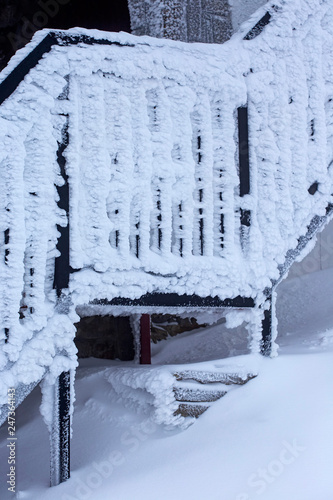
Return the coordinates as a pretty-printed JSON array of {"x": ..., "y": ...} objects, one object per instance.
[{"x": 17, "y": 75}]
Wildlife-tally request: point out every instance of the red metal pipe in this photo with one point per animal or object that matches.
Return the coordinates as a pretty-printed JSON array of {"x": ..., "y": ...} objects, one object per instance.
[{"x": 145, "y": 352}]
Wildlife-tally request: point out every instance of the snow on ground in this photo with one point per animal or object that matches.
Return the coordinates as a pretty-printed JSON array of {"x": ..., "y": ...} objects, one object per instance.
[
  {"x": 208, "y": 343},
  {"x": 270, "y": 439}
]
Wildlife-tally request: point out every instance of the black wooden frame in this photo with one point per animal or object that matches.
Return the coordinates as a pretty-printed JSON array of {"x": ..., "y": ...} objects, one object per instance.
[{"x": 158, "y": 299}]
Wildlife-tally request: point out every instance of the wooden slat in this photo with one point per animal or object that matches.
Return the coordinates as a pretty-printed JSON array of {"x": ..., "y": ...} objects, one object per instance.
[
  {"x": 203, "y": 233},
  {"x": 175, "y": 300},
  {"x": 160, "y": 125}
]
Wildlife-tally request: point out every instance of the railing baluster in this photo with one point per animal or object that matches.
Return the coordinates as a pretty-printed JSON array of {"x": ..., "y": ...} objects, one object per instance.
[
  {"x": 62, "y": 266},
  {"x": 244, "y": 162}
]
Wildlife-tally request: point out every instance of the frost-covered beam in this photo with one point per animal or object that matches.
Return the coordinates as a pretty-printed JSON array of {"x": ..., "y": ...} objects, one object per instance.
[
  {"x": 8, "y": 86},
  {"x": 316, "y": 224},
  {"x": 244, "y": 162},
  {"x": 266, "y": 342},
  {"x": 60, "y": 434},
  {"x": 257, "y": 28},
  {"x": 175, "y": 300},
  {"x": 16, "y": 76},
  {"x": 62, "y": 266},
  {"x": 243, "y": 147},
  {"x": 64, "y": 425}
]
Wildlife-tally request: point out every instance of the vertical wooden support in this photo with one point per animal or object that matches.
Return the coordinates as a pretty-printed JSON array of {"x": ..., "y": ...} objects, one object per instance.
[
  {"x": 266, "y": 341},
  {"x": 145, "y": 351},
  {"x": 244, "y": 161},
  {"x": 243, "y": 151},
  {"x": 60, "y": 434},
  {"x": 62, "y": 265},
  {"x": 64, "y": 426}
]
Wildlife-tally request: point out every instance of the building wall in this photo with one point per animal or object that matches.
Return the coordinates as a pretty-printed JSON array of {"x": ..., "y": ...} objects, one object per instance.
[{"x": 207, "y": 21}]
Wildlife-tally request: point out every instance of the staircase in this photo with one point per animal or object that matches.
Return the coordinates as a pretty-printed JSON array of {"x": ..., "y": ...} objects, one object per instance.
[
  {"x": 197, "y": 390},
  {"x": 176, "y": 395}
]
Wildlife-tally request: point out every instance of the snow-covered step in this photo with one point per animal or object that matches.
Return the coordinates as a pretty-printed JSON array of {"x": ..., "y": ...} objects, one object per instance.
[
  {"x": 196, "y": 390},
  {"x": 197, "y": 395},
  {"x": 176, "y": 398},
  {"x": 191, "y": 410},
  {"x": 214, "y": 377}
]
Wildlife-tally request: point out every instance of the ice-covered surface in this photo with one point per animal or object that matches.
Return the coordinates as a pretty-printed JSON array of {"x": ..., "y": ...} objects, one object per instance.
[
  {"x": 152, "y": 165},
  {"x": 280, "y": 424}
]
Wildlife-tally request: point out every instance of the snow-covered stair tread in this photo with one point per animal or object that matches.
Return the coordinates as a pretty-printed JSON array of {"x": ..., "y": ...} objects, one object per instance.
[
  {"x": 175, "y": 398},
  {"x": 213, "y": 377},
  {"x": 197, "y": 395},
  {"x": 197, "y": 388},
  {"x": 191, "y": 410}
]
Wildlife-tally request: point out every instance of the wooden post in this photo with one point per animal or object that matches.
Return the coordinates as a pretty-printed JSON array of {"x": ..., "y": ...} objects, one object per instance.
[
  {"x": 62, "y": 265},
  {"x": 244, "y": 162},
  {"x": 60, "y": 434},
  {"x": 266, "y": 341},
  {"x": 243, "y": 151},
  {"x": 145, "y": 351},
  {"x": 64, "y": 425}
]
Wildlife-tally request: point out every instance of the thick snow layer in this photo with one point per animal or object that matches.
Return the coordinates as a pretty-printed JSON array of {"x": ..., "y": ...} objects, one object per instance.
[{"x": 270, "y": 439}]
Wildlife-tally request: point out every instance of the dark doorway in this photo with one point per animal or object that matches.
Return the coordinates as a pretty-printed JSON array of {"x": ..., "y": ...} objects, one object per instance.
[{"x": 20, "y": 19}]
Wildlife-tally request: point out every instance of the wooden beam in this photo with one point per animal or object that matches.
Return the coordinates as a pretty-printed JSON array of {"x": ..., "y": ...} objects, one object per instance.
[
  {"x": 16, "y": 76},
  {"x": 244, "y": 162},
  {"x": 60, "y": 432},
  {"x": 145, "y": 351},
  {"x": 258, "y": 28},
  {"x": 64, "y": 426},
  {"x": 243, "y": 151},
  {"x": 156, "y": 299},
  {"x": 266, "y": 340},
  {"x": 62, "y": 265}
]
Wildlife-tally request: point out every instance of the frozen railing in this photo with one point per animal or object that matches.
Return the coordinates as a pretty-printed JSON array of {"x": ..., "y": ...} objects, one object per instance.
[{"x": 143, "y": 172}]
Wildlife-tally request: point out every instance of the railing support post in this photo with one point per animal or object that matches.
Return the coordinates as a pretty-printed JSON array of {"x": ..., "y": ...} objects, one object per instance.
[
  {"x": 145, "y": 351},
  {"x": 266, "y": 325},
  {"x": 60, "y": 433}
]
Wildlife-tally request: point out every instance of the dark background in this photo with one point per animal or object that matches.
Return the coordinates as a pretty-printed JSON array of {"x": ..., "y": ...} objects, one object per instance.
[{"x": 19, "y": 19}]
